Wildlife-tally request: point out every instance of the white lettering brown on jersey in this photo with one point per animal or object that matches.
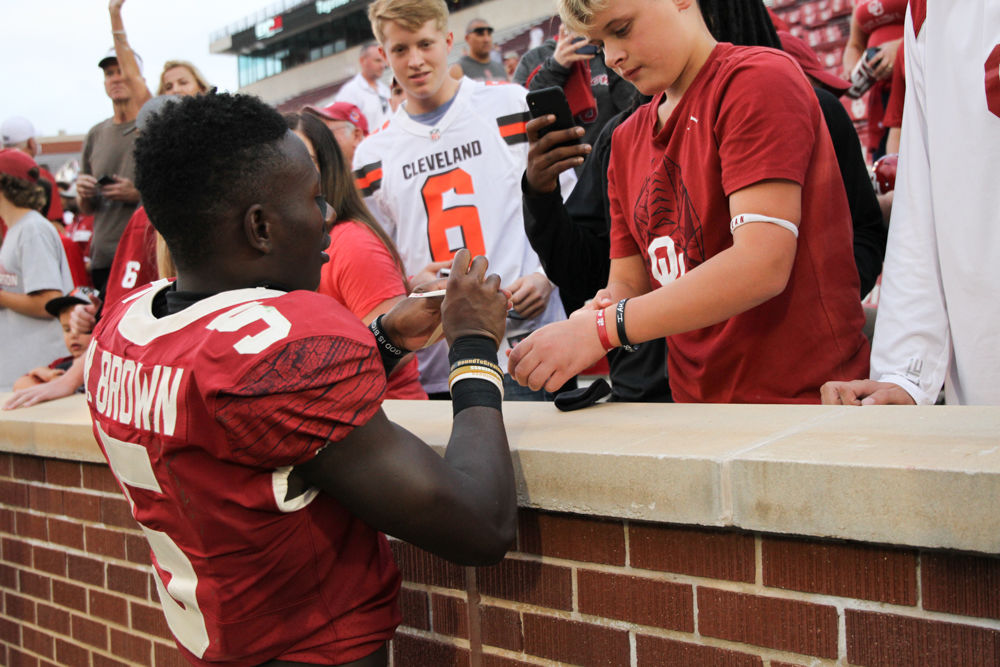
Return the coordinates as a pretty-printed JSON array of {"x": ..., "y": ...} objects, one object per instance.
[{"x": 142, "y": 397}]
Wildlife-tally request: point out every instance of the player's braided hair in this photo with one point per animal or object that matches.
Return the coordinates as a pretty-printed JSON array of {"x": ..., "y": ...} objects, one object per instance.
[
  {"x": 200, "y": 159},
  {"x": 742, "y": 22}
]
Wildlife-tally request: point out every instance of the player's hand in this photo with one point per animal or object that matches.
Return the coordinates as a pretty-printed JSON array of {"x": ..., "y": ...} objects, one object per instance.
[
  {"x": 430, "y": 273},
  {"x": 546, "y": 158},
  {"x": 530, "y": 294},
  {"x": 565, "y": 53},
  {"x": 552, "y": 355},
  {"x": 864, "y": 392},
  {"x": 474, "y": 305},
  {"x": 83, "y": 318},
  {"x": 122, "y": 190},
  {"x": 86, "y": 186},
  {"x": 416, "y": 323}
]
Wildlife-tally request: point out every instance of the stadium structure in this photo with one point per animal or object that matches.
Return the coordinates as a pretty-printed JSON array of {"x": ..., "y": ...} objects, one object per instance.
[{"x": 299, "y": 52}]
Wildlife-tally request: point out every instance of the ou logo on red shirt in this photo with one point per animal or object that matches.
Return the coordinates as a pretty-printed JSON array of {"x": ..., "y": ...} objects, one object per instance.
[
  {"x": 666, "y": 264},
  {"x": 993, "y": 81}
]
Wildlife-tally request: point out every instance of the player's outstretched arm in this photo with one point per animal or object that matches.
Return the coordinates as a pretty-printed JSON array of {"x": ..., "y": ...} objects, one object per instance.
[{"x": 462, "y": 507}]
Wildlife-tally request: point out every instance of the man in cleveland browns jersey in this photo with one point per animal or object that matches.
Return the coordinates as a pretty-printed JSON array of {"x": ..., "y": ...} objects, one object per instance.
[
  {"x": 241, "y": 411},
  {"x": 445, "y": 172}
]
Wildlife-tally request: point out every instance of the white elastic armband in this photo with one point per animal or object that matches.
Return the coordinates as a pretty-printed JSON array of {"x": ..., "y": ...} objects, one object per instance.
[{"x": 753, "y": 217}]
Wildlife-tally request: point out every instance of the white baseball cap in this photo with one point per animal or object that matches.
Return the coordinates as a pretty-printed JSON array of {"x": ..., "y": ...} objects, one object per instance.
[
  {"x": 16, "y": 130},
  {"x": 113, "y": 55}
]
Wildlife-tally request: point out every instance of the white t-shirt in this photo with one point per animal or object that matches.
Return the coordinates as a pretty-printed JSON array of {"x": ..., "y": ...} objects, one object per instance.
[
  {"x": 457, "y": 184},
  {"x": 373, "y": 102},
  {"x": 939, "y": 314},
  {"x": 31, "y": 259}
]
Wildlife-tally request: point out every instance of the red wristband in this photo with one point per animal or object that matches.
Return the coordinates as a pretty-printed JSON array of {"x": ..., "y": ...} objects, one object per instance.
[{"x": 602, "y": 332}]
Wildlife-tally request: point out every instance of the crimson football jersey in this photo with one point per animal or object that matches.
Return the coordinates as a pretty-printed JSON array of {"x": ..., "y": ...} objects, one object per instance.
[
  {"x": 202, "y": 414},
  {"x": 135, "y": 263}
]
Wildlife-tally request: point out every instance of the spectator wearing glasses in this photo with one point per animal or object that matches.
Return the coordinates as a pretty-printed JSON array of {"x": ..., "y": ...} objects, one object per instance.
[{"x": 478, "y": 63}]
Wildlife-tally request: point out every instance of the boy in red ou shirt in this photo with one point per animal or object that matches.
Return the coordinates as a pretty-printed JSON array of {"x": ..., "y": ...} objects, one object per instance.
[{"x": 730, "y": 227}]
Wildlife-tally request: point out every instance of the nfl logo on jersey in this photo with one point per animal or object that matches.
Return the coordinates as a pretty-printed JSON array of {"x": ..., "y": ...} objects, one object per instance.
[{"x": 435, "y": 134}]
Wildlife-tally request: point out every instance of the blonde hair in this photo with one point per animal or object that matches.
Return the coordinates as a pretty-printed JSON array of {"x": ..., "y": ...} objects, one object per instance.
[
  {"x": 410, "y": 14},
  {"x": 195, "y": 72},
  {"x": 577, "y": 15}
]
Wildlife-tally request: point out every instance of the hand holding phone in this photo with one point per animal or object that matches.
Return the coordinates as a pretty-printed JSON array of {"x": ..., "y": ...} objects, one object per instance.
[{"x": 552, "y": 100}]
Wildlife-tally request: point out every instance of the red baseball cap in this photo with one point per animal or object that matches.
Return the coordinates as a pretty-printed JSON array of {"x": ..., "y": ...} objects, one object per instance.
[
  {"x": 342, "y": 111},
  {"x": 810, "y": 64},
  {"x": 15, "y": 163}
]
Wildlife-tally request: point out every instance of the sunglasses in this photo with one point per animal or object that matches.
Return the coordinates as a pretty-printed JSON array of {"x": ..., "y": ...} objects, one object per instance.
[{"x": 482, "y": 30}]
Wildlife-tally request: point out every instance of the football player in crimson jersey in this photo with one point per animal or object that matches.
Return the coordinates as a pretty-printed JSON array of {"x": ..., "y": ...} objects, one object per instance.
[{"x": 241, "y": 412}]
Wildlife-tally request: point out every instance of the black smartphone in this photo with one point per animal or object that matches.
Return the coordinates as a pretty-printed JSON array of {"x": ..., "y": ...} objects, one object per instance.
[
  {"x": 552, "y": 100},
  {"x": 105, "y": 180},
  {"x": 586, "y": 49}
]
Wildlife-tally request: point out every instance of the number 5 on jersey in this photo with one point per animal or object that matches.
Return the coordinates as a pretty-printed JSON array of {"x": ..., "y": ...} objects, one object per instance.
[{"x": 450, "y": 229}]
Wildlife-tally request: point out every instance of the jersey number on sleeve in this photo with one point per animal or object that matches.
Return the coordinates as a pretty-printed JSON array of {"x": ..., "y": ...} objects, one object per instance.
[{"x": 450, "y": 229}]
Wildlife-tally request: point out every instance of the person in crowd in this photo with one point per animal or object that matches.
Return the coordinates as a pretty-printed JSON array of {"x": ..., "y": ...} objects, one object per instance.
[
  {"x": 730, "y": 227},
  {"x": 19, "y": 133},
  {"x": 572, "y": 240},
  {"x": 444, "y": 173},
  {"x": 365, "y": 273},
  {"x": 272, "y": 472},
  {"x": 348, "y": 125},
  {"x": 594, "y": 92},
  {"x": 938, "y": 314},
  {"x": 510, "y": 61},
  {"x": 33, "y": 270},
  {"x": 396, "y": 95},
  {"x": 478, "y": 63},
  {"x": 105, "y": 185},
  {"x": 876, "y": 24},
  {"x": 76, "y": 341},
  {"x": 366, "y": 90},
  {"x": 180, "y": 77}
]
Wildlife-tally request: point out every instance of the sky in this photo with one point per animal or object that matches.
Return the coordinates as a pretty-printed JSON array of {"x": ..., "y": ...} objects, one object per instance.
[{"x": 50, "y": 49}]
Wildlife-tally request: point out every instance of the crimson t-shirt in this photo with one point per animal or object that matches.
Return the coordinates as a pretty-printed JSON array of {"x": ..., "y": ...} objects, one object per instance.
[
  {"x": 748, "y": 116},
  {"x": 360, "y": 275}
]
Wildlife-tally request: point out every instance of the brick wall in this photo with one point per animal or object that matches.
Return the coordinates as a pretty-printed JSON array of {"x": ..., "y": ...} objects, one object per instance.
[
  {"x": 75, "y": 575},
  {"x": 76, "y": 589},
  {"x": 610, "y": 592}
]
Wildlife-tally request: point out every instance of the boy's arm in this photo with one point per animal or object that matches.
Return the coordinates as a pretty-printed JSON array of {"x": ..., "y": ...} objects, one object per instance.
[
  {"x": 32, "y": 305},
  {"x": 64, "y": 385},
  {"x": 755, "y": 269}
]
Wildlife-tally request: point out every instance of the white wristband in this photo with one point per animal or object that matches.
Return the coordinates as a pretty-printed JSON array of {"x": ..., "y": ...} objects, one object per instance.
[
  {"x": 753, "y": 217},
  {"x": 488, "y": 375}
]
